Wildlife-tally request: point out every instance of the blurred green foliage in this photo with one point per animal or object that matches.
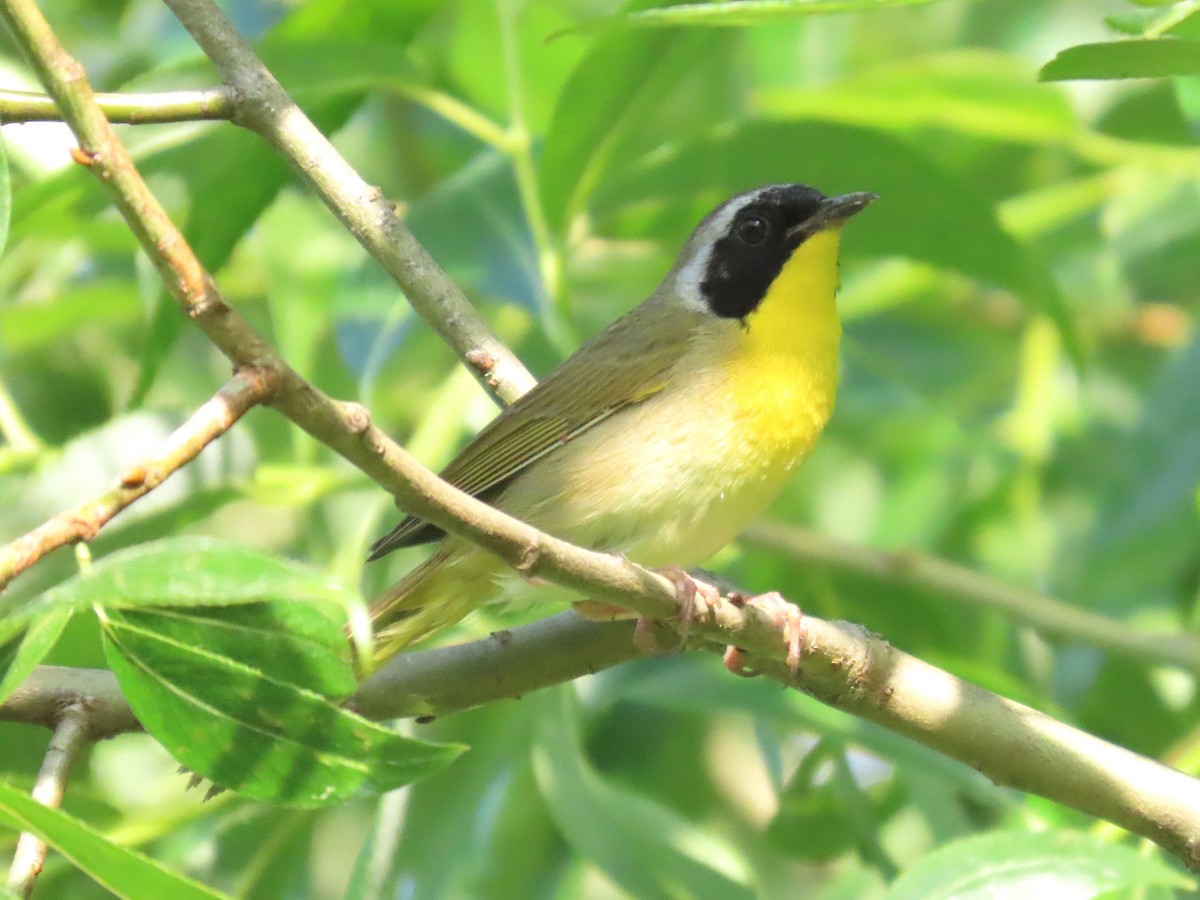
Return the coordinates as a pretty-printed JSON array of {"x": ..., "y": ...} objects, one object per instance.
[{"x": 1021, "y": 371}]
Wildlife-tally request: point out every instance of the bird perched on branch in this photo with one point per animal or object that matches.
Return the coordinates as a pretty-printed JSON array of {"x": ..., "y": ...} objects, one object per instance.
[{"x": 664, "y": 435}]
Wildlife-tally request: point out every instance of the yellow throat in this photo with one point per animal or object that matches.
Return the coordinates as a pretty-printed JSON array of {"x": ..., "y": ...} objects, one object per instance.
[{"x": 785, "y": 369}]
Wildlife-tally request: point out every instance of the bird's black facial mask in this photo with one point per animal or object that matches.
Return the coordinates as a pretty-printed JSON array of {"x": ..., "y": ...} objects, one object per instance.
[{"x": 750, "y": 255}]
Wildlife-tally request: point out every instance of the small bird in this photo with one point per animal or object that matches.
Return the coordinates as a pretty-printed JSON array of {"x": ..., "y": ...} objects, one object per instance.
[{"x": 668, "y": 432}]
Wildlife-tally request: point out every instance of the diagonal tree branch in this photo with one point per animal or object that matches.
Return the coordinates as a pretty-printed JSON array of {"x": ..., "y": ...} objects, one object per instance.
[{"x": 81, "y": 523}]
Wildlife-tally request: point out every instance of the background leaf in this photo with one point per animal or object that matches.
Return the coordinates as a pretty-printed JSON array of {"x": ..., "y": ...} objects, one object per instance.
[
  {"x": 22, "y": 653},
  {"x": 643, "y": 847},
  {"x": 1125, "y": 59},
  {"x": 735, "y": 14},
  {"x": 1062, "y": 863},
  {"x": 5, "y": 197},
  {"x": 125, "y": 873}
]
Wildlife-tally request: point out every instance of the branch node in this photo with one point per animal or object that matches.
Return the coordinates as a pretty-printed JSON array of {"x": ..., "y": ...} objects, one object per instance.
[
  {"x": 134, "y": 477},
  {"x": 527, "y": 562},
  {"x": 85, "y": 528},
  {"x": 481, "y": 361},
  {"x": 203, "y": 304},
  {"x": 263, "y": 378},
  {"x": 83, "y": 157},
  {"x": 356, "y": 417}
]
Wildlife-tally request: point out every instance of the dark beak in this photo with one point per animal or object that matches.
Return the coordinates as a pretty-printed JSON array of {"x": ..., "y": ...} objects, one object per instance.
[{"x": 832, "y": 212}]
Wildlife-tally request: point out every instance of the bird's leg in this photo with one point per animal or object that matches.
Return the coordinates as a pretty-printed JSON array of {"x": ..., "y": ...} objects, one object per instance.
[{"x": 696, "y": 599}]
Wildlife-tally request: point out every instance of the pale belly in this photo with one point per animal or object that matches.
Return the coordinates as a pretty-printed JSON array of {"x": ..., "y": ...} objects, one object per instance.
[{"x": 665, "y": 487}]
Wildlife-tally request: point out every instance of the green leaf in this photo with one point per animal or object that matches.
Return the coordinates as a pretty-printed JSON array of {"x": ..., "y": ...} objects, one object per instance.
[
  {"x": 734, "y": 13},
  {"x": 1125, "y": 59},
  {"x": 29, "y": 327},
  {"x": 292, "y": 642},
  {"x": 340, "y": 19},
  {"x": 186, "y": 571},
  {"x": 970, "y": 91},
  {"x": 248, "y": 730},
  {"x": 645, "y": 848},
  {"x": 1152, "y": 113},
  {"x": 613, "y": 92},
  {"x": 5, "y": 197},
  {"x": 493, "y": 789},
  {"x": 29, "y": 650},
  {"x": 121, "y": 871},
  {"x": 1022, "y": 864}
]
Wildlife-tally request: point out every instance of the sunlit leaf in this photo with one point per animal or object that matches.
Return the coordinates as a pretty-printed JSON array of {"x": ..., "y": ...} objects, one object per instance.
[
  {"x": 121, "y": 871},
  {"x": 735, "y": 13},
  {"x": 1125, "y": 59},
  {"x": 971, "y": 91},
  {"x": 5, "y": 197},
  {"x": 1045, "y": 864}
]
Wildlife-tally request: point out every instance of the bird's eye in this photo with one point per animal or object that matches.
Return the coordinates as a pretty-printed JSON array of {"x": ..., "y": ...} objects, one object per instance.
[{"x": 753, "y": 230}]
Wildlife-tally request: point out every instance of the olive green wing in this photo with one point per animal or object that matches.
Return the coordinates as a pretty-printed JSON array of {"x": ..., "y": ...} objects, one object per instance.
[{"x": 620, "y": 367}]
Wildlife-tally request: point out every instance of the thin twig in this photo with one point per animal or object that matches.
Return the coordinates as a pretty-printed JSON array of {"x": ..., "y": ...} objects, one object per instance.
[
  {"x": 66, "y": 744},
  {"x": 960, "y": 585},
  {"x": 263, "y": 106},
  {"x": 81, "y": 523},
  {"x": 132, "y": 108}
]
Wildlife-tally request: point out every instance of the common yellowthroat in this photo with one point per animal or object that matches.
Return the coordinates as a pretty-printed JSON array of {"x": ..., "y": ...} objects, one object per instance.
[{"x": 664, "y": 435}]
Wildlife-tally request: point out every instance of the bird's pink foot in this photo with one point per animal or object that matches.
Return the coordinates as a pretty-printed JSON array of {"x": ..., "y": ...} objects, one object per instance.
[
  {"x": 696, "y": 599},
  {"x": 789, "y": 620},
  {"x": 787, "y": 617}
]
